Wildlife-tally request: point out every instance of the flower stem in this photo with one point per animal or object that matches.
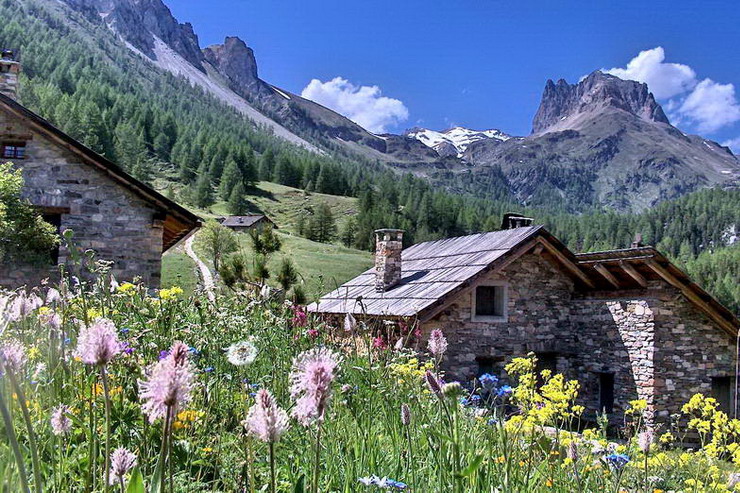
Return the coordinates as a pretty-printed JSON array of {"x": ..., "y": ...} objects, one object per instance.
[
  {"x": 272, "y": 467},
  {"x": 106, "y": 391},
  {"x": 317, "y": 464},
  {"x": 29, "y": 427},
  {"x": 8, "y": 420}
]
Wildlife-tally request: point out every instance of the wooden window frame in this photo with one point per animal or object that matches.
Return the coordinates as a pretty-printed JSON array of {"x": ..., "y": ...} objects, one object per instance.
[
  {"x": 16, "y": 144},
  {"x": 504, "y": 317}
]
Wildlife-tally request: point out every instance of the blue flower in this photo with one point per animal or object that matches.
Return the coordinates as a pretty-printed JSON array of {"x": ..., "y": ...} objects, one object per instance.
[
  {"x": 492, "y": 422},
  {"x": 208, "y": 369},
  {"x": 125, "y": 330},
  {"x": 504, "y": 391},
  {"x": 488, "y": 381},
  {"x": 617, "y": 461},
  {"x": 163, "y": 354},
  {"x": 193, "y": 351},
  {"x": 383, "y": 483},
  {"x": 67, "y": 340}
]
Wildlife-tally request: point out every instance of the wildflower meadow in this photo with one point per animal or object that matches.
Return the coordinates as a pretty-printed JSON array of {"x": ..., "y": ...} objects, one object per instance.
[{"x": 118, "y": 388}]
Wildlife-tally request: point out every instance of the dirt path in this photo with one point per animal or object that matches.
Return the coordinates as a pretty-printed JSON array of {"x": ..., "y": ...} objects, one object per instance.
[{"x": 205, "y": 273}]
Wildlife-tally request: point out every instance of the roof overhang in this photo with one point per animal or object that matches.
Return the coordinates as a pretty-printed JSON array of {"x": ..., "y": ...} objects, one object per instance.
[{"x": 177, "y": 222}]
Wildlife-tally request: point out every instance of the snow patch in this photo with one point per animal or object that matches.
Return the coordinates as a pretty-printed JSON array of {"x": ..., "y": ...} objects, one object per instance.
[
  {"x": 459, "y": 137},
  {"x": 280, "y": 92}
]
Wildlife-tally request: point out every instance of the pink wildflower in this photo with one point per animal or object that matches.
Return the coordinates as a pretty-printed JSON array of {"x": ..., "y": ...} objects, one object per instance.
[
  {"x": 122, "y": 461},
  {"x": 644, "y": 440},
  {"x": 379, "y": 343},
  {"x": 168, "y": 385},
  {"x": 312, "y": 333},
  {"x": 22, "y": 306},
  {"x": 300, "y": 318},
  {"x": 312, "y": 375},
  {"x": 60, "y": 422},
  {"x": 12, "y": 356},
  {"x": 266, "y": 420},
  {"x": 437, "y": 343},
  {"x": 53, "y": 296},
  {"x": 98, "y": 344}
]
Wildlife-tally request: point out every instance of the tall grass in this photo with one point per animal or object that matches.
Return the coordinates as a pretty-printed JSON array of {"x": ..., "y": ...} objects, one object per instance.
[{"x": 383, "y": 429}]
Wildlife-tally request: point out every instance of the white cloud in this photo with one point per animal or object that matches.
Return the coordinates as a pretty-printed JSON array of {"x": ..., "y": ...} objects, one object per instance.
[
  {"x": 705, "y": 106},
  {"x": 364, "y": 105},
  {"x": 733, "y": 144},
  {"x": 665, "y": 80},
  {"x": 711, "y": 106}
]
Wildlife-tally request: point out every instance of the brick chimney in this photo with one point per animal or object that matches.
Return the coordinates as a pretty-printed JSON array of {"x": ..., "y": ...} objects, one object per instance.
[
  {"x": 9, "y": 69},
  {"x": 388, "y": 246}
]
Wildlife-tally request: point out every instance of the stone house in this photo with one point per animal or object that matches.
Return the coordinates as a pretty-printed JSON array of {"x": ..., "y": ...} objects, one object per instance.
[
  {"x": 110, "y": 212},
  {"x": 626, "y": 323},
  {"x": 241, "y": 224}
]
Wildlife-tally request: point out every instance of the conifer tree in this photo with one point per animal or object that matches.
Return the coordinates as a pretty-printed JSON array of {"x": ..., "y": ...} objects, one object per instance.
[
  {"x": 238, "y": 204},
  {"x": 229, "y": 179}
]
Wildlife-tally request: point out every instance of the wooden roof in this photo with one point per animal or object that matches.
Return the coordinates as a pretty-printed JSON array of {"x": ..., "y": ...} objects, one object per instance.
[
  {"x": 430, "y": 272},
  {"x": 177, "y": 221},
  {"x": 433, "y": 272}
]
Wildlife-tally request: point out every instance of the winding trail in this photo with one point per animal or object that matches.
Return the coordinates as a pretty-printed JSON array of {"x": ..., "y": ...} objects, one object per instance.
[{"x": 205, "y": 273}]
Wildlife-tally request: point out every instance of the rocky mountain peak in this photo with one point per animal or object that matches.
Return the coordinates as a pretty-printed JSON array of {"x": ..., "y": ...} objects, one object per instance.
[
  {"x": 234, "y": 59},
  {"x": 564, "y": 105},
  {"x": 139, "y": 21}
]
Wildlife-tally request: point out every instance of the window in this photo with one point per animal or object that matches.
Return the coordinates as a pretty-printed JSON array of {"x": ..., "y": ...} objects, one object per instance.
[
  {"x": 606, "y": 392},
  {"x": 490, "y": 302},
  {"x": 14, "y": 150},
  {"x": 486, "y": 364},
  {"x": 723, "y": 389},
  {"x": 546, "y": 361}
]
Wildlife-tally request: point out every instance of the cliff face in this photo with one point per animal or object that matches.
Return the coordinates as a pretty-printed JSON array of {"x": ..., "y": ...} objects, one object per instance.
[
  {"x": 138, "y": 21},
  {"x": 563, "y": 105}
]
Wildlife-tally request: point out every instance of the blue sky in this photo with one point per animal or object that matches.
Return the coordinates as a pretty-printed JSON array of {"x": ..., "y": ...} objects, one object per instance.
[{"x": 484, "y": 63}]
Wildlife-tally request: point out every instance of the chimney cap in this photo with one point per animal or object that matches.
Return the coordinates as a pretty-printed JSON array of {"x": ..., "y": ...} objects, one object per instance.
[
  {"x": 8, "y": 55},
  {"x": 389, "y": 230},
  {"x": 513, "y": 220}
]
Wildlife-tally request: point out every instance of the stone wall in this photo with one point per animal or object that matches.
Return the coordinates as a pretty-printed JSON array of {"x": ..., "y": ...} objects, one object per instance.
[
  {"x": 658, "y": 346},
  {"x": 104, "y": 215}
]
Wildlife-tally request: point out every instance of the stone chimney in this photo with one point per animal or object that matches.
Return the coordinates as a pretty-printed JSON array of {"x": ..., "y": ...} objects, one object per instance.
[
  {"x": 388, "y": 246},
  {"x": 513, "y": 220},
  {"x": 9, "y": 69}
]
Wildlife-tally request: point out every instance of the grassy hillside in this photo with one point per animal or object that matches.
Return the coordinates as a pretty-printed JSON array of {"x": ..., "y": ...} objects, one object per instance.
[
  {"x": 284, "y": 205},
  {"x": 321, "y": 266}
]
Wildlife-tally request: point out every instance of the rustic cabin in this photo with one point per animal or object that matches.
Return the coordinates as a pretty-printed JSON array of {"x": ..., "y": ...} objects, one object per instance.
[
  {"x": 241, "y": 224},
  {"x": 122, "y": 219},
  {"x": 627, "y": 323}
]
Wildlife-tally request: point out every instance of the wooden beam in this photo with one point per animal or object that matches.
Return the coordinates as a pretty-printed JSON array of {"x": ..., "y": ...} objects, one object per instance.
[
  {"x": 538, "y": 249},
  {"x": 692, "y": 296},
  {"x": 567, "y": 262},
  {"x": 632, "y": 272},
  {"x": 607, "y": 275}
]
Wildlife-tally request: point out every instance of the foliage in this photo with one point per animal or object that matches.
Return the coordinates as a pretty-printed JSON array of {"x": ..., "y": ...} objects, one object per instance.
[
  {"x": 24, "y": 235},
  {"x": 264, "y": 240},
  {"x": 218, "y": 241},
  {"x": 287, "y": 275},
  {"x": 322, "y": 226}
]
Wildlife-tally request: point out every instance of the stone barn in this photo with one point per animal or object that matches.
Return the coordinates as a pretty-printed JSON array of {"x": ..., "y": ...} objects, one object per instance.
[
  {"x": 626, "y": 323},
  {"x": 110, "y": 212}
]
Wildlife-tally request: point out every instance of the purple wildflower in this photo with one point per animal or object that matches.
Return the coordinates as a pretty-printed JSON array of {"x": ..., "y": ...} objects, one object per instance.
[
  {"x": 122, "y": 461},
  {"x": 98, "y": 344},
  {"x": 313, "y": 372},
  {"x": 349, "y": 322},
  {"x": 163, "y": 354},
  {"x": 405, "y": 414},
  {"x": 266, "y": 420},
  {"x": 435, "y": 385},
  {"x": 60, "y": 422},
  {"x": 53, "y": 296},
  {"x": 168, "y": 385},
  {"x": 437, "y": 343},
  {"x": 644, "y": 440},
  {"x": 12, "y": 356}
]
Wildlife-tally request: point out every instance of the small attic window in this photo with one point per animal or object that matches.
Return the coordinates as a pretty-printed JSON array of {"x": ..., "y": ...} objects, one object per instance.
[
  {"x": 13, "y": 150},
  {"x": 489, "y": 302}
]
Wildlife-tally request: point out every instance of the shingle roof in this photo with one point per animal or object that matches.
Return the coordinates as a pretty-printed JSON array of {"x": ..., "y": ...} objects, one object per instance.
[
  {"x": 429, "y": 272},
  {"x": 244, "y": 221}
]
